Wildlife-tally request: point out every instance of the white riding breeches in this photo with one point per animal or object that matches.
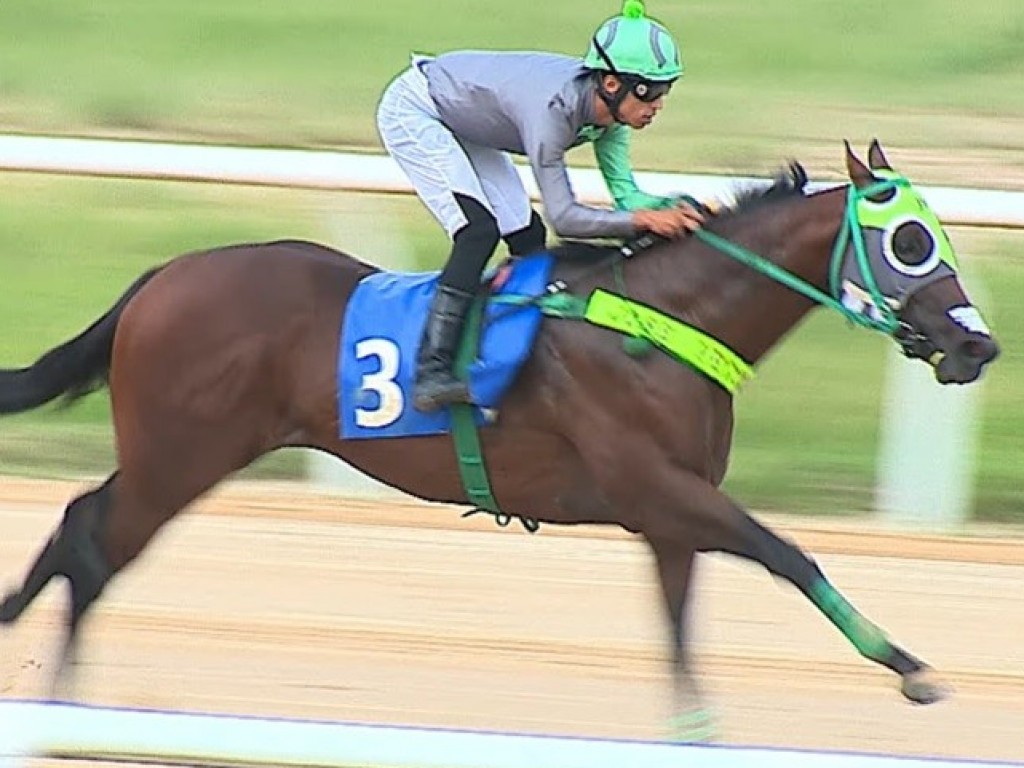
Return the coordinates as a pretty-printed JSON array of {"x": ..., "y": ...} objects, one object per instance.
[{"x": 439, "y": 165}]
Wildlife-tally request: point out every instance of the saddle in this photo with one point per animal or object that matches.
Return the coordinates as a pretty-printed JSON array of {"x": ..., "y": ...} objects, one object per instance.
[{"x": 381, "y": 331}]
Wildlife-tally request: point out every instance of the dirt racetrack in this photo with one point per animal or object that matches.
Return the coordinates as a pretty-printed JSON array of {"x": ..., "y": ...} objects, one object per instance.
[{"x": 267, "y": 602}]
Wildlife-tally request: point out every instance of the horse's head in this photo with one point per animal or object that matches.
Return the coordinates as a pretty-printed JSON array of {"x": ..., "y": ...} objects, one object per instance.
[{"x": 899, "y": 268}]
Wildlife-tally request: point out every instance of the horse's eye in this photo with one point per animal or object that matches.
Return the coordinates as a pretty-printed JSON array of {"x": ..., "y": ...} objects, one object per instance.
[{"x": 912, "y": 243}]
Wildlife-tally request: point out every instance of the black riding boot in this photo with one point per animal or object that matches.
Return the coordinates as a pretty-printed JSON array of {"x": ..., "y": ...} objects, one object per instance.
[{"x": 436, "y": 385}]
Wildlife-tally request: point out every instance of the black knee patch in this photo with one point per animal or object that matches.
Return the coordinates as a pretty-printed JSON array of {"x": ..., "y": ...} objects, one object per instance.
[
  {"x": 529, "y": 239},
  {"x": 83, "y": 560},
  {"x": 472, "y": 247}
]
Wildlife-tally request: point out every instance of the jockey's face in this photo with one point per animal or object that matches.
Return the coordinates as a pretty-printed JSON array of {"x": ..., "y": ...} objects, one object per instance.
[{"x": 637, "y": 111}]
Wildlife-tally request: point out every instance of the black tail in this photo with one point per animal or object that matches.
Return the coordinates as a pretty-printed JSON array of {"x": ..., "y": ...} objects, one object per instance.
[{"x": 72, "y": 370}]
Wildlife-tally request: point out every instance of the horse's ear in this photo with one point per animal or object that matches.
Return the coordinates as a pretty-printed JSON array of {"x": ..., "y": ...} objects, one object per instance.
[
  {"x": 876, "y": 157},
  {"x": 798, "y": 175},
  {"x": 859, "y": 173}
]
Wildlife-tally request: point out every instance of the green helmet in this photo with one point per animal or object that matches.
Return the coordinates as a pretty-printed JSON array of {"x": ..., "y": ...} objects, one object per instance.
[{"x": 635, "y": 45}]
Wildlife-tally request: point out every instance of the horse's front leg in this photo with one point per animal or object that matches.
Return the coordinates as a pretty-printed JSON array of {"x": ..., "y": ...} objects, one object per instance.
[
  {"x": 714, "y": 523},
  {"x": 691, "y": 719}
]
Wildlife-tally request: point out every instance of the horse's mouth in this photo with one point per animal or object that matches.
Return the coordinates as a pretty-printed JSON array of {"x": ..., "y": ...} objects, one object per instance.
[{"x": 966, "y": 362}]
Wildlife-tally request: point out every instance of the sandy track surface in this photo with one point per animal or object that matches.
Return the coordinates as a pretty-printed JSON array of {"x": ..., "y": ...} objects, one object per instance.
[{"x": 271, "y": 602}]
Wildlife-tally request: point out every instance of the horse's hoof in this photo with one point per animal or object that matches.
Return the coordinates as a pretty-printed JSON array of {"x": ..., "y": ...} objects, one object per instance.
[
  {"x": 696, "y": 726},
  {"x": 924, "y": 686}
]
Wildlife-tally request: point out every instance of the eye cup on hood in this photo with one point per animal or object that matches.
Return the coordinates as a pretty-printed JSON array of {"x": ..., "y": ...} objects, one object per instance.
[
  {"x": 911, "y": 248},
  {"x": 912, "y": 243}
]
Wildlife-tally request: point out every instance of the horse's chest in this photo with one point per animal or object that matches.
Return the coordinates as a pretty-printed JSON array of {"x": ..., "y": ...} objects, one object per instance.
[{"x": 692, "y": 423}]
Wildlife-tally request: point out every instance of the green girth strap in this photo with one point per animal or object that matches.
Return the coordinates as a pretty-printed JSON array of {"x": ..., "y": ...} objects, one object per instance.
[{"x": 472, "y": 468}]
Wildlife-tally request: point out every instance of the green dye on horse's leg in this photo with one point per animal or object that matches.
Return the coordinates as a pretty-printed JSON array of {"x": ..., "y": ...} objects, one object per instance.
[
  {"x": 696, "y": 726},
  {"x": 867, "y": 638}
]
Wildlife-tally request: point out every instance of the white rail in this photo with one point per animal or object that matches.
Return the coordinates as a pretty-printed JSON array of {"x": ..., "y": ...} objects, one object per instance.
[
  {"x": 179, "y": 738},
  {"x": 376, "y": 173}
]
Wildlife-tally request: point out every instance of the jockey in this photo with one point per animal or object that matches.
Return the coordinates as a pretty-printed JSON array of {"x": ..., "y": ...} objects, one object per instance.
[{"x": 451, "y": 121}]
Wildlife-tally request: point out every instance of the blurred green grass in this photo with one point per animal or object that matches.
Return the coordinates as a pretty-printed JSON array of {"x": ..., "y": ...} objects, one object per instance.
[
  {"x": 764, "y": 81},
  {"x": 807, "y": 426}
]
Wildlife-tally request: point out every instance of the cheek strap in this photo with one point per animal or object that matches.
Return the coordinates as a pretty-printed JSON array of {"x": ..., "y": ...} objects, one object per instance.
[{"x": 613, "y": 100}]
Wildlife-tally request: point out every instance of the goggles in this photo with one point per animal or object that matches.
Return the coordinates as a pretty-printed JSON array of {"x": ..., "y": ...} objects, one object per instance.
[{"x": 648, "y": 91}]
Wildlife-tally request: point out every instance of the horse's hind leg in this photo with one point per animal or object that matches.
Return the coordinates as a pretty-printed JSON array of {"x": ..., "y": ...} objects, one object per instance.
[
  {"x": 691, "y": 720},
  {"x": 105, "y": 529},
  {"x": 73, "y": 551}
]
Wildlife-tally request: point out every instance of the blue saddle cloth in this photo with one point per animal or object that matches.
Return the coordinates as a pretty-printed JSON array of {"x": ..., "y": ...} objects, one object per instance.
[{"x": 381, "y": 331}]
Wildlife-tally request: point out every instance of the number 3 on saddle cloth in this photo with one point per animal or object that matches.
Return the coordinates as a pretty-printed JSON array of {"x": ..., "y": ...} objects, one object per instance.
[{"x": 381, "y": 331}]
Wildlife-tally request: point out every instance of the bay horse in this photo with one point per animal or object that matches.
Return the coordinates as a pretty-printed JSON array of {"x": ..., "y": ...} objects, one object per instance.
[{"x": 218, "y": 357}]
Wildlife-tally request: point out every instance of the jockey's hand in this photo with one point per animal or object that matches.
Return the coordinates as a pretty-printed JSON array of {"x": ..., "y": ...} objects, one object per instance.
[{"x": 669, "y": 222}]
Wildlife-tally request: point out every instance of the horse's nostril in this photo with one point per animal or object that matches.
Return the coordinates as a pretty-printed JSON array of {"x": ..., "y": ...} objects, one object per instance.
[{"x": 984, "y": 350}]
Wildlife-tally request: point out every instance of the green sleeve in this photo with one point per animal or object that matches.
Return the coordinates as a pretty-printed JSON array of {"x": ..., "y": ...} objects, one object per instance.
[{"x": 612, "y": 152}]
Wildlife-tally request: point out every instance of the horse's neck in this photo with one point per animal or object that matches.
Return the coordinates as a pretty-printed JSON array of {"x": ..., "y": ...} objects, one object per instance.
[{"x": 733, "y": 302}]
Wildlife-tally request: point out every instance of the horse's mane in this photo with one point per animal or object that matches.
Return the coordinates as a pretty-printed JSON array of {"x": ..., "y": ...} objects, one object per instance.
[{"x": 787, "y": 184}]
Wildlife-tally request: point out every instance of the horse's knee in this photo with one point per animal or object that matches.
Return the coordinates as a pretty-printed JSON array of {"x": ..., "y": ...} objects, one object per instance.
[{"x": 779, "y": 555}]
